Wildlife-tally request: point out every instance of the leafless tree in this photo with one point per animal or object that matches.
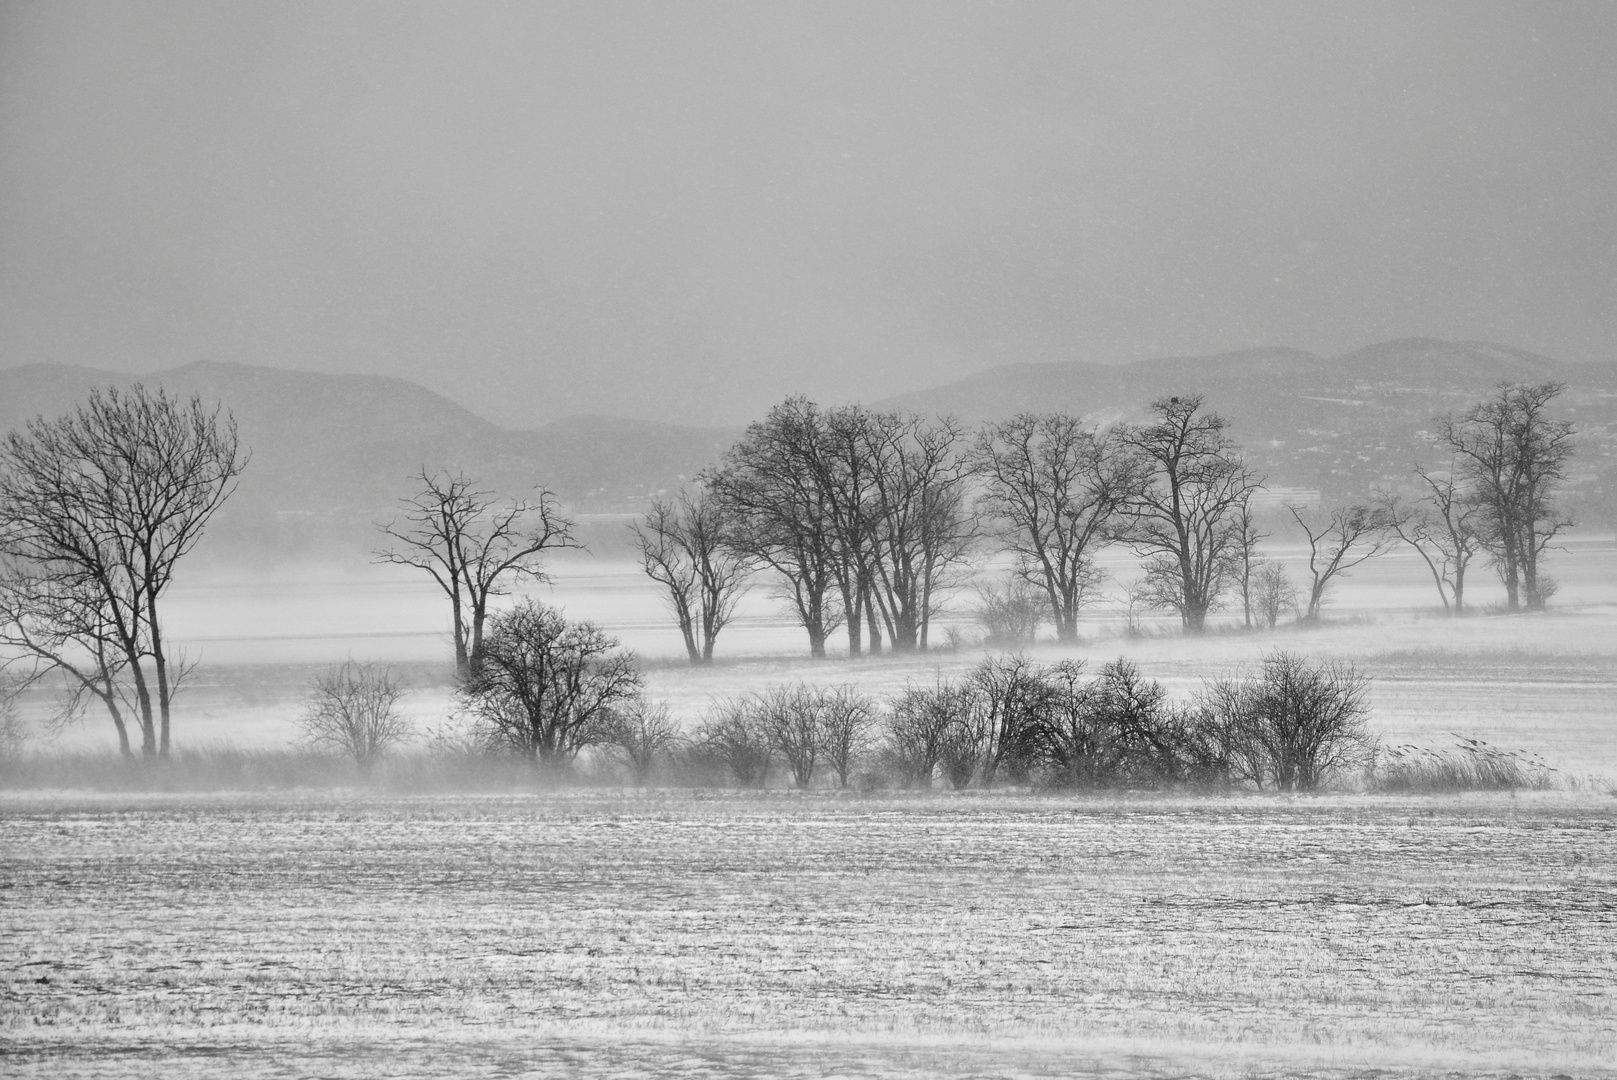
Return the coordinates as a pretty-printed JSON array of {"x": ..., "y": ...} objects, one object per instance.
[
  {"x": 1293, "y": 723},
  {"x": 97, "y": 508},
  {"x": 1513, "y": 455},
  {"x": 546, "y": 685},
  {"x": 781, "y": 516},
  {"x": 931, "y": 725},
  {"x": 1010, "y": 698},
  {"x": 353, "y": 710},
  {"x": 790, "y": 715},
  {"x": 918, "y": 520},
  {"x": 1245, "y": 557},
  {"x": 1186, "y": 523},
  {"x": 1442, "y": 527},
  {"x": 1275, "y": 593},
  {"x": 1339, "y": 540},
  {"x": 687, "y": 546},
  {"x": 847, "y": 718},
  {"x": 472, "y": 546},
  {"x": 734, "y": 735},
  {"x": 641, "y": 732},
  {"x": 1055, "y": 489},
  {"x": 1010, "y": 612}
]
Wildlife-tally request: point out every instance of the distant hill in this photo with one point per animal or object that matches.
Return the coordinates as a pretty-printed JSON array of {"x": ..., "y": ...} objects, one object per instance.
[
  {"x": 1338, "y": 425},
  {"x": 332, "y": 454}
]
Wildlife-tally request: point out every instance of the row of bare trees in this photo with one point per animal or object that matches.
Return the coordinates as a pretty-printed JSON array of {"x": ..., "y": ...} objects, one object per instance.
[{"x": 864, "y": 519}]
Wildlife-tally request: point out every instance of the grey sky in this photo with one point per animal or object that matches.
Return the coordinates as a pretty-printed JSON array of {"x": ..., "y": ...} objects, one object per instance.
[{"x": 689, "y": 210}]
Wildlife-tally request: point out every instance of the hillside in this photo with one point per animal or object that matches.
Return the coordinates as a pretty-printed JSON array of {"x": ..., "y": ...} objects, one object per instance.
[{"x": 1339, "y": 425}]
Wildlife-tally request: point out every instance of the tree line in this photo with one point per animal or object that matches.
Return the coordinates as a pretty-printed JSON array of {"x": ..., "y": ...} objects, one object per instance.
[{"x": 863, "y": 520}]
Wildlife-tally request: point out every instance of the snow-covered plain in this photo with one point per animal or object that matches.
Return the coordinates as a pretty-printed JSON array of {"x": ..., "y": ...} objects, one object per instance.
[{"x": 791, "y": 934}]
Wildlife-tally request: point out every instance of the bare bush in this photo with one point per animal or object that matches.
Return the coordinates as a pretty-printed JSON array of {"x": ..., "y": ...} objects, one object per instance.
[
  {"x": 1276, "y": 595},
  {"x": 353, "y": 710},
  {"x": 1009, "y": 613},
  {"x": 1293, "y": 723},
  {"x": 789, "y": 716},
  {"x": 927, "y": 726},
  {"x": 733, "y": 736},
  {"x": 641, "y": 733},
  {"x": 847, "y": 718}
]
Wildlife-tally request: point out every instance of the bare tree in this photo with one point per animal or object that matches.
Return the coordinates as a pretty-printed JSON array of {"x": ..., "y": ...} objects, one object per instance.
[
  {"x": 733, "y": 734},
  {"x": 1055, "y": 489},
  {"x": 1442, "y": 527},
  {"x": 1011, "y": 698},
  {"x": 847, "y": 718},
  {"x": 546, "y": 685},
  {"x": 1346, "y": 537},
  {"x": 916, "y": 519},
  {"x": 353, "y": 710},
  {"x": 641, "y": 731},
  {"x": 931, "y": 725},
  {"x": 790, "y": 716},
  {"x": 1513, "y": 455},
  {"x": 472, "y": 546},
  {"x": 1293, "y": 723},
  {"x": 688, "y": 547},
  {"x": 1245, "y": 557},
  {"x": 1186, "y": 523},
  {"x": 97, "y": 508},
  {"x": 1010, "y": 612},
  {"x": 781, "y": 516},
  {"x": 1275, "y": 593}
]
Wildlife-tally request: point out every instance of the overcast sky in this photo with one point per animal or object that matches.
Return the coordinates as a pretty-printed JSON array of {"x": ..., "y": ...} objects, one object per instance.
[{"x": 689, "y": 210}]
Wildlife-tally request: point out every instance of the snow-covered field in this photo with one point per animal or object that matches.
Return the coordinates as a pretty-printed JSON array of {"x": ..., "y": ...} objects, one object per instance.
[{"x": 806, "y": 934}]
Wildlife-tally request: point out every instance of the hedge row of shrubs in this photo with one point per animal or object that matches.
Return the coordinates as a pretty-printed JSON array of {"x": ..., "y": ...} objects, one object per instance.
[{"x": 1290, "y": 726}]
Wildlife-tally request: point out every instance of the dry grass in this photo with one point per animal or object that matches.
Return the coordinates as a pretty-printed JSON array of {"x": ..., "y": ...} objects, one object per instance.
[
  {"x": 761, "y": 934},
  {"x": 1469, "y": 765}
]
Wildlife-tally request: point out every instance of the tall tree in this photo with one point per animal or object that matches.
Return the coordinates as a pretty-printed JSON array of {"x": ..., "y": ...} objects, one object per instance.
[
  {"x": 1442, "y": 527},
  {"x": 918, "y": 523},
  {"x": 1339, "y": 540},
  {"x": 1186, "y": 522},
  {"x": 687, "y": 546},
  {"x": 781, "y": 516},
  {"x": 1512, "y": 454},
  {"x": 97, "y": 508},
  {"x": 473, "y": 546},
  {"x": 1055, "y": 490}
]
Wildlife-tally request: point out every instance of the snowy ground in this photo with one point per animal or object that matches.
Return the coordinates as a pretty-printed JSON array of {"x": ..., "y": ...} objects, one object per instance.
[{"x": 781, "y": 934}]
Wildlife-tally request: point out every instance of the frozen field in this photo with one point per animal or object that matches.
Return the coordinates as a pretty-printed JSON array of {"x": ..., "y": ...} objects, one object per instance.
[{"x": 672, "y": 934}]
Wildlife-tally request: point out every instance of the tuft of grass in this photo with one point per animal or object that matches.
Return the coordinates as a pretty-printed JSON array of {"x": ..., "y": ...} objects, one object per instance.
[{"x": 1469, "y": 765}]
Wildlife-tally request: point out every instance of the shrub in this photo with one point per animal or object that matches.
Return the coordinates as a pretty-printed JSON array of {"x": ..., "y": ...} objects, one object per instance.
[
  {"x": 1291, "y": 724},
  {"x": 927, "y": 726},
  {"x": 353, "y": 710},
  {"x": 846, "y": 720},
  {"x": 733, "y": 736},
  {"x": 789, "y": 716},
  {"x": 542, "y": 686},
  {"x": 639, "y": 733}
]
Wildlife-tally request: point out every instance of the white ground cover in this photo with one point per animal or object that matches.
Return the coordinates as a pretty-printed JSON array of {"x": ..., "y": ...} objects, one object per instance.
[{"x": 778, "y": 934}]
